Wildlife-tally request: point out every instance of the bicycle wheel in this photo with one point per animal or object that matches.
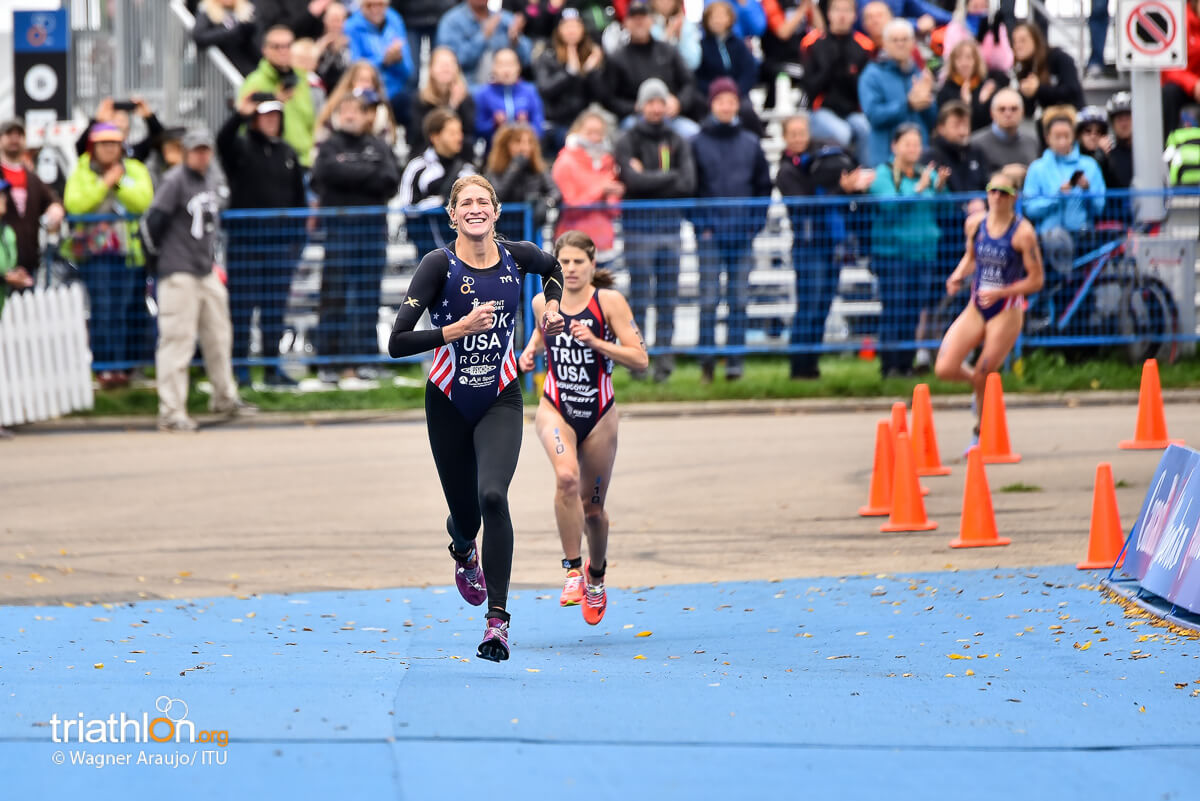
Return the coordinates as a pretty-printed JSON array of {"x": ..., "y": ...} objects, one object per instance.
[{"x": 1149, "y": 313}]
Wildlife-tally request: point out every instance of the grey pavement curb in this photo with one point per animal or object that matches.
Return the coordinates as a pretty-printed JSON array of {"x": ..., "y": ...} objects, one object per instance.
[{"x": 1026, "y": 400}]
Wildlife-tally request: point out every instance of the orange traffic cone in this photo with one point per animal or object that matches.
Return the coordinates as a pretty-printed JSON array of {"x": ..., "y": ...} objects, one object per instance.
[
  {"x": 1107, "y": 538},
  {"x": 879, "y": 502},
  {"x": 900, "y": 426},
  {"x": 866, "y": 351},
  {"x": 993, "y": 426},
  {"x": 1151, "y": 431},
  {"x": 978, "y": 526},
  {"x": 925, "y": 447},
  {"x": 908, "y": 510}
]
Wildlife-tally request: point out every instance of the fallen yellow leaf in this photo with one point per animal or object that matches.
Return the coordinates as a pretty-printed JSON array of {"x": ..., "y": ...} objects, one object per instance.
[
  {"x": 643, "y": 634},
  {"x": 98, "y": 665},
  {"x": 639, "y": 656},
  {"x": 1085, "y": 646}
]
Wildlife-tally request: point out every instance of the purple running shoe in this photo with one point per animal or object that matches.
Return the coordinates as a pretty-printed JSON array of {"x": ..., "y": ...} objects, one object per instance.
[
  {"x": 495, "y": 641},
  {"x": 468, "y": 575}
]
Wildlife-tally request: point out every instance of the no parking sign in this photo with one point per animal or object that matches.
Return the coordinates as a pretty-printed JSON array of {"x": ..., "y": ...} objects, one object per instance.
[{"x": 1151, "y": 34}]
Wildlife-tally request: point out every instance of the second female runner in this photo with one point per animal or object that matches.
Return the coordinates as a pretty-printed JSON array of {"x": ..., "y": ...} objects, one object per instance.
[{"x": 575, "y": 421}]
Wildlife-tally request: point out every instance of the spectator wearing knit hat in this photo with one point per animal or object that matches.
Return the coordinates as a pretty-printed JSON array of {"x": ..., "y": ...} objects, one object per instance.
[
  {"x": 729, "y": 164},
  {"x": 655, "y": 163}
]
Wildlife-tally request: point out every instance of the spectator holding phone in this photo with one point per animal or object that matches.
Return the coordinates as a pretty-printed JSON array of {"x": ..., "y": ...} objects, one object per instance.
[
  {"x": 116, "y": 112},
  {"x": 290, "y": 86},
  {"x": 1063, "y": 188},
  {"x": 109, "y": 251}
]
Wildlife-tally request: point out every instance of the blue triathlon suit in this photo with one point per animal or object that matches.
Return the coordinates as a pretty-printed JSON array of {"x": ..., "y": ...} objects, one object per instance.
[
  {"x": 578, "y": 377},
  {"x": 472, "y": 399},
  {"x": 997, "y": 264}
]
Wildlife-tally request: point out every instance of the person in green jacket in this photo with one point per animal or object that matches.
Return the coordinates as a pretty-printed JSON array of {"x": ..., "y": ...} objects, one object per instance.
[
  {"x": 11, "y": 276},
  {"x": 109, "y": 251},
  {"x": 904, "y": 244},
  {"x": 276, "y": 76}
]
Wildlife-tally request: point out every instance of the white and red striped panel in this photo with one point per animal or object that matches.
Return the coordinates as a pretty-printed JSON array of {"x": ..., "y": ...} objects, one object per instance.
[
  {"x": 606, "y": 390},
  {"x": 442, "y": 374},
  {"x": 508, "y": 368}
]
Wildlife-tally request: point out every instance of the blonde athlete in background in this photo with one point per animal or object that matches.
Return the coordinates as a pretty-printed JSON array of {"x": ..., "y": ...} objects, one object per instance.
[
  {"x": 575, "y": 418},
  {"x": 1002, "y": 252}
]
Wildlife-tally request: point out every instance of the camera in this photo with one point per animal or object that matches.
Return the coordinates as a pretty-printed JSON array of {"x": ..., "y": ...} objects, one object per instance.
[
  {"x": 289, "y": 81},
  {"x": 124, "y": 105},
  {"x": 262, "y": 97}
]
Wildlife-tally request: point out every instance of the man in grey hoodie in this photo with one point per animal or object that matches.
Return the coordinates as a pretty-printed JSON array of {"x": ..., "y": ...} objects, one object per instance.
[{"x": 180, "y": 229}]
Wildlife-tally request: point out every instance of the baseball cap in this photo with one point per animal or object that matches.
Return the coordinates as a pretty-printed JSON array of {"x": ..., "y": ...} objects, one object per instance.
[
  {"x": 637, "y": 7},
  {"x": 12, "y": 125},
  {"x": 268, "y": 106},
  {"x": 196, "y": 138}
]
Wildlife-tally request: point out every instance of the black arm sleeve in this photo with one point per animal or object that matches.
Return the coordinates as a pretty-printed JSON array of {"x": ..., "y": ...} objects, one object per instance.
[
  {"x": 425, "y": 288},
  {"x": 532, "y": 259}
]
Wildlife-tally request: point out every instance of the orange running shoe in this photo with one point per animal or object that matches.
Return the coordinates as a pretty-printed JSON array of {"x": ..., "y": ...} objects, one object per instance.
[
  {"x": 572, "y": 594},
  {"x": 595, "y": 601}
]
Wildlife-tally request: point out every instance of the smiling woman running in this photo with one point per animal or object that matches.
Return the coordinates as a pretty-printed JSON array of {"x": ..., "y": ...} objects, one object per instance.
[
  {"x": 473, "y": 405},
  {"x": 1002, "y": 251},
  {"x": 575, "y": 418}
]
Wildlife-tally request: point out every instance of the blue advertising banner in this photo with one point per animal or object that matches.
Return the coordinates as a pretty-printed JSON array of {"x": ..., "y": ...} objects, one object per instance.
[
  {"x": 1177, "y": 534},
  {"x": 1186, "y": 592},
  {"x": 1173, "y": 472}
]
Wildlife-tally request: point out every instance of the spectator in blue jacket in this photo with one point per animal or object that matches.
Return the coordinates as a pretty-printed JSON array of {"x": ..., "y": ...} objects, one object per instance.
[
  {"x": 729, "y": 164},
  {"x": 893, "y": 91},
  {"x": 751, "y": 18},
  {"x": 1063, "y": 189},
  {"x": 507, "y": 99},
  {"x": 377, "y": 35},
  {"x": 723, "y": 53},
  {"x": 475, "y": 34},
  {"x": 923, "y": 15}
]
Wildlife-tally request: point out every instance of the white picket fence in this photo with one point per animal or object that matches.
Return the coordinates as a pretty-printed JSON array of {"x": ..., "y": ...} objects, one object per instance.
[{"x": 45, "y": 362}]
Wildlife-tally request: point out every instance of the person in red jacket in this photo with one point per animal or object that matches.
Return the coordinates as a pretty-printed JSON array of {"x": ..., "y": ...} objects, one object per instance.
[
  {"x": 585, "y": 173},
  {"x": 1182, "y": 87}
]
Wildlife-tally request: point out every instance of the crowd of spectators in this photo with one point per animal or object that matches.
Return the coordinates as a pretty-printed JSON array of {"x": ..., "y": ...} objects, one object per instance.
[{"x": 575, "y": 106}]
